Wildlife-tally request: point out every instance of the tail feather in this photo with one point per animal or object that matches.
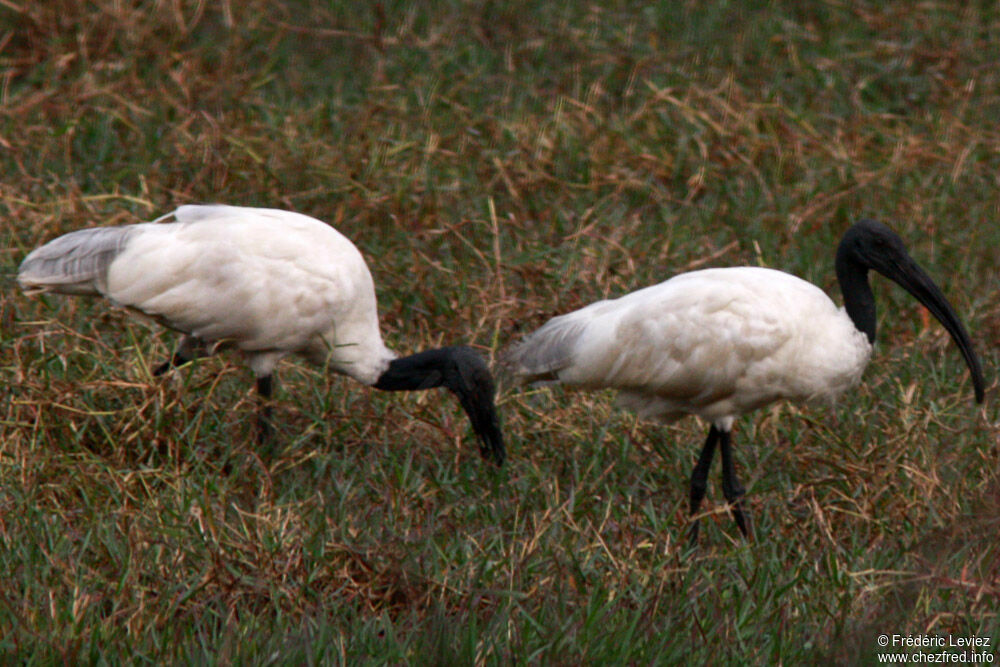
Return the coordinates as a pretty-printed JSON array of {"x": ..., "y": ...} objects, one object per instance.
[
  {"x": 543, "y": 353},
  {"x": 76, "y": 263}
]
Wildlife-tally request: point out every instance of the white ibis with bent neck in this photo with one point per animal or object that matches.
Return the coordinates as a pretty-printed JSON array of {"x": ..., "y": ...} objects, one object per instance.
[{"x": 268, "y": 282}]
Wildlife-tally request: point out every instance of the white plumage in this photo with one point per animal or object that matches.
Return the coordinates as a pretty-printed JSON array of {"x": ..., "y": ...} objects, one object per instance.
[
  {"x": 714, "y": 343},
  {"x": 271, "y": 282},
  {"x": 718, "y": 343},
  {"x": 267, "y": 281}
]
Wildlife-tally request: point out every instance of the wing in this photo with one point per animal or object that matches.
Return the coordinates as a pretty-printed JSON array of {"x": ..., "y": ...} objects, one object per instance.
[
  {"x": 704, "y": 342},
  {"x": 265, "y": 279},
  {"x": 691, "y": 338},
  {"x": 75, "y": 263}
]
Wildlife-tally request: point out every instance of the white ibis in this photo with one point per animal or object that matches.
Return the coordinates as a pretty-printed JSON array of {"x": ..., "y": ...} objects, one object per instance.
[
  {"x": 720, "y": 342},
  {"x": 269, "y": 282}
]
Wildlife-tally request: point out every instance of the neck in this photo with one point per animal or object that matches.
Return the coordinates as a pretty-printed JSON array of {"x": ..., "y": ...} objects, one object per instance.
[
  {"x": 424, "y": 370},
  {"x": 858, "y": 299}
]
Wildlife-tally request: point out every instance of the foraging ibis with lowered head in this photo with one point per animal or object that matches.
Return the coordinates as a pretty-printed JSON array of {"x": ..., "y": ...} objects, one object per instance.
[
  {"x": 268, "y": 282},
  {"x": 720, "y": 342}
]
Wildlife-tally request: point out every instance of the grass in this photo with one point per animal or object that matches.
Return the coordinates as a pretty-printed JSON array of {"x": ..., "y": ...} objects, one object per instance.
[{"x": 497, "y": 163}]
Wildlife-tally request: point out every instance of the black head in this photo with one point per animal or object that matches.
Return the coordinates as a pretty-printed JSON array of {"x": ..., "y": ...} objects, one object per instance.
[
  {"x": 469, "y": 378},
  {"x": 465, "y": 374},
  {"x": 872, "y": 245}
]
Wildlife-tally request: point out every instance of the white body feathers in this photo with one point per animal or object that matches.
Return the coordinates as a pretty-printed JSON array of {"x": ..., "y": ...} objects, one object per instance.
[
  {"x": 270, "y": 282},
  {"x": 714, "y": 343}
]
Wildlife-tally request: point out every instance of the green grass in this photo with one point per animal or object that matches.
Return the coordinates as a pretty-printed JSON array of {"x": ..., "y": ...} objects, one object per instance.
[{"x": 497, "y": 163}]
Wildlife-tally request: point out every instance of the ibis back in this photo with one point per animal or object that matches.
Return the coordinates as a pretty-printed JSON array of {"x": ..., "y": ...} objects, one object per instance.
[
  {"x": 269, "y": 282},
  {"x": 715, "y": 343}
]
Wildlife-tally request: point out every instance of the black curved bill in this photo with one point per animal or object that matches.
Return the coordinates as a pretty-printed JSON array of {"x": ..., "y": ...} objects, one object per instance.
[
  {"x": 904, "y": 271},
  {"x": 473, "y": 383},
  {"x": 486, "y": 423}
]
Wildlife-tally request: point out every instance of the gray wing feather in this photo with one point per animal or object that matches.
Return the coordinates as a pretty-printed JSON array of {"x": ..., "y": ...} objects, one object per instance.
[
  {"x": 544, "y": 352},
  {"x": 76, "y": 263}
]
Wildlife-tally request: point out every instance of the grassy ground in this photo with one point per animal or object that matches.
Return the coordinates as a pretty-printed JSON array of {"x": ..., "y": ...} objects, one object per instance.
[{"x": 497, "y": 163}]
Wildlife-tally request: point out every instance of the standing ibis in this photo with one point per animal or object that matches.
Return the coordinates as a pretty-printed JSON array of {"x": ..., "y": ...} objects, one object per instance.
[
  {"x": 268, "y": 282},
  {"x": 720, "y": 342}
]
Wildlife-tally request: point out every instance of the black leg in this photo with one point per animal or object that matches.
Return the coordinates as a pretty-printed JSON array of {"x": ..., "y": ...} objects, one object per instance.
[
  {"x": 699, "y": 478},
  {"x": 265, "y": 387},
  {"x": 177, "y": 359},
  {"x": 187, "y": 350},
  {"x": 731, "y": 487}
]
